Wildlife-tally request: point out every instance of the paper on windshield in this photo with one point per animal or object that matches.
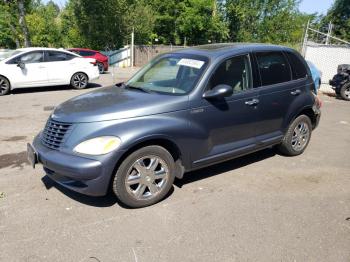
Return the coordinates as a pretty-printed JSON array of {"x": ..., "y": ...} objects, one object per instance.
[{"x": 191, "y": 63}]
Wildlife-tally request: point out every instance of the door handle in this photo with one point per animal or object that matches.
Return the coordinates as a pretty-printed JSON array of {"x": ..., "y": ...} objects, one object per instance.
[
  {"x": 296, "y": 92},
  {"x": 252, "y": 102}
]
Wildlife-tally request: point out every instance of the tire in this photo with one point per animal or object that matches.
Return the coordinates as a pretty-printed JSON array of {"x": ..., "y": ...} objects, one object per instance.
[
  {"x": 345, "y": 92},
  {"x": 141, "y": 181},
  {"x": 5, "y": 86},
  {"x": 79, "y": 80},
  {"x": 101, "y": 68},
  {"x": 297, "y": 137}
]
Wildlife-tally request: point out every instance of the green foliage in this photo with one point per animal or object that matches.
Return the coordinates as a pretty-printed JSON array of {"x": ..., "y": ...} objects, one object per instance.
[
  {"x": 200, "y": 22},
  {"x": 271, "y": 21},
  {"x": 339, "y": 15},
  {"x": 140, "y": 18},
  {"x": 43, "y": 25},
  {"x": 107, "y": 24}
]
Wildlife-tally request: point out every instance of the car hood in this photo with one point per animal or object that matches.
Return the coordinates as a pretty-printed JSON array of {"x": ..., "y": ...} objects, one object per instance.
[{"x": 113, "y": 103}]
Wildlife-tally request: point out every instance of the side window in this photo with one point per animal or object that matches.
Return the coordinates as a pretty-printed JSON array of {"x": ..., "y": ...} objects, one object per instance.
[
  {"x": 298, "y": 67},
  {"x": 234, "y": 72},
  {"x": 54, "y": 56},
  {"x": 29, "y": 58},
  {"x": 86, "y": 53},
  {"x": 273, "y": 68}
]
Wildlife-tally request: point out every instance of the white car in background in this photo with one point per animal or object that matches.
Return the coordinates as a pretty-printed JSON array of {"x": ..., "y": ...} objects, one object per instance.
[{"x": 35, "y": 67}]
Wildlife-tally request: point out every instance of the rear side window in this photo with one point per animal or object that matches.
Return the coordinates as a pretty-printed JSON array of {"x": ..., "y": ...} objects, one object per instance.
[
  {"x": 273, "y": 68},
  {"x": 86, "y": 53},
  {"x": 53, "y": 56},
  {"x": 298, "y": 67}
]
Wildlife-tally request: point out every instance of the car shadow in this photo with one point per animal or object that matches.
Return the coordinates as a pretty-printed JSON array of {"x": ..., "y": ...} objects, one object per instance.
[
  {"x": 102, "y": 201},
  {"x": 223, "y": 167},
  {"x": 110, "y": 199},
  {"x": 49, "y": 88}
]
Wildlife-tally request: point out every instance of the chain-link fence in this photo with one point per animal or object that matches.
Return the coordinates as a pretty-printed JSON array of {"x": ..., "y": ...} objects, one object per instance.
[{"x": 326, "y": 52}]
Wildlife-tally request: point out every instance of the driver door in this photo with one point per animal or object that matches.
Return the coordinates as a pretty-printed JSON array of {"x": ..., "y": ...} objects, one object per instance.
[
  {"x": 34, "y": 72},
  {"x": 228, "y": 123}
]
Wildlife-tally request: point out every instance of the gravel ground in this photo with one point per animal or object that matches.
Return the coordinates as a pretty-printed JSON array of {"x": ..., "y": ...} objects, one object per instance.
[{"x": 261, "y": 207}]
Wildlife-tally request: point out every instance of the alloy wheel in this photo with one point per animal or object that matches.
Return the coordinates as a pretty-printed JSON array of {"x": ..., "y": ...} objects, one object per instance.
[
  {"x": 80, "y": 80},
  {"x": 147, "y": 177},
  {"x": 100, "y": 68},
  {"x": 347, "y": 92},
  {"x": 4, "y": 86},
  {"x": 301, "y": 135}
]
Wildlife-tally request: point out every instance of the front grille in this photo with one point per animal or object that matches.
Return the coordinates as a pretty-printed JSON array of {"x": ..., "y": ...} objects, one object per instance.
[{"x": 54, "y": 133}]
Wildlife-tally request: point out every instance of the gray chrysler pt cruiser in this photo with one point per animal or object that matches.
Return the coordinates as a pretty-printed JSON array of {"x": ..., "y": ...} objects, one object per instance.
[{"x": 183, "y": 111}]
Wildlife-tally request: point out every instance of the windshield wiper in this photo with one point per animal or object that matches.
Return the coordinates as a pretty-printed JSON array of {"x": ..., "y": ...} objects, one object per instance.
[{"x": 146, "y": 90}]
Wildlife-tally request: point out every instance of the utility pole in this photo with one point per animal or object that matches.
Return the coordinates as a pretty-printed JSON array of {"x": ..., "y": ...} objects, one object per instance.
[
  {"x": 330, "y": 28},
  {"x": 306, "y": 35},
  {"x": 132, "y": 48}
]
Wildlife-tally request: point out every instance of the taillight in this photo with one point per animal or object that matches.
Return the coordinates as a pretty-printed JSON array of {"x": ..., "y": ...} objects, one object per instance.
[{"x": 318, "y": 102}]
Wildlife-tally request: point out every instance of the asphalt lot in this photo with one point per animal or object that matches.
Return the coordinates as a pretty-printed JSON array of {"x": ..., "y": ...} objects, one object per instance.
[{"x": 261, "y": 207}]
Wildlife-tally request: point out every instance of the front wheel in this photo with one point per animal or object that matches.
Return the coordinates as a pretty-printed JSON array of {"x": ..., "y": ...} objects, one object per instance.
[
  {"x": 144, "y": 177},
  {"x": 345, "y": 92},
  {"x": 4, "y": 86},
  {"x": 79, "y": 81},
  {"x": 297, "y": 137}
]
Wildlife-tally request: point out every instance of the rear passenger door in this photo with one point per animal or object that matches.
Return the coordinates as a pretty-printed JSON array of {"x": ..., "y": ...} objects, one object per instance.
[
  {"x": 277, "y": 92},
  {"x": 60, "y": 66}
]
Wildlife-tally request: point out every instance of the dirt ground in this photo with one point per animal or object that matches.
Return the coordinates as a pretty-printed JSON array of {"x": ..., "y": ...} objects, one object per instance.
[{"x": 261, "y": 207}]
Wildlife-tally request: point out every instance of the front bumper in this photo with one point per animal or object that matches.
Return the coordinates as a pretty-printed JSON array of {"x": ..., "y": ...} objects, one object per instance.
[{"x": 80, "y": 174}]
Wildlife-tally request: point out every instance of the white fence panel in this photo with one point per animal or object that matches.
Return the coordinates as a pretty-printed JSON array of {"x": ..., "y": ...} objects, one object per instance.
[{"x": 327, "y": 58}]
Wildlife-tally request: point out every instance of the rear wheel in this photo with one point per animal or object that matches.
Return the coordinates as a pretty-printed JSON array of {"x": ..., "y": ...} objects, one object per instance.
[
  {"x": 297, "y": 137},
  {"x": 345, "y": 92},
  {"x": 79, "y": 81},
  {"x": 4, "y": 86},
  {"x": 101, "y": 68},
  {"x": 144, "y": 177}
]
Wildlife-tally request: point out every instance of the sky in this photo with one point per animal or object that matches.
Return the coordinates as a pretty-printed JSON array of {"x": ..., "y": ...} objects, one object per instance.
[
  {"x": 313, "y": 6},
  {"x": 307, "y": 6}
]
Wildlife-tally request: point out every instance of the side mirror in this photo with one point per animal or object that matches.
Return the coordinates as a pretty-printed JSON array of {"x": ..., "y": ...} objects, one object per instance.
[
  {"x": 21, "y": 65},
  {"x": 220, "y": 91}
]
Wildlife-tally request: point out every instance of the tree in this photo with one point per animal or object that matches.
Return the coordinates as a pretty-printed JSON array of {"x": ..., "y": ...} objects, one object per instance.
[
  {"x": 201, "y": 23},
  {"x": 22, "y": 22},
  {"x": 43, "y": 23},
  {"x": 339, "y": 15},
  {"x": 272, "y": 21},
  {"x": 13, "y": 10},
  {"x": 101, "y": 23},
  {"x": 140, "y": 18}
]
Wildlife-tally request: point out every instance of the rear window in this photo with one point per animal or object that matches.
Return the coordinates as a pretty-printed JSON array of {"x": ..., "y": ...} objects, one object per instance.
[
  {"x": 298, "y": 68},
  {"x": 273, "y": 68}
]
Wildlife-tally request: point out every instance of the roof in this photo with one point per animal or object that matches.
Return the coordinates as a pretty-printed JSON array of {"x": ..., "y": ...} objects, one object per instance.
[
  {"x": 82, "y": 49},
  {"x": 26, "y": 49},
  {"x": 215, "y": 50}
]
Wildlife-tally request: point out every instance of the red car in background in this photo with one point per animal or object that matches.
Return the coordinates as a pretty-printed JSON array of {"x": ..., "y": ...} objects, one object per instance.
[{"x": 102, "y": 60}]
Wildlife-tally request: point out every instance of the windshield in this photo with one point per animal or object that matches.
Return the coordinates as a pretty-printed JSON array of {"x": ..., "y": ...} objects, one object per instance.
[
  {"x": 174, "y": 74},
  {"x": 7, "y": 54}
]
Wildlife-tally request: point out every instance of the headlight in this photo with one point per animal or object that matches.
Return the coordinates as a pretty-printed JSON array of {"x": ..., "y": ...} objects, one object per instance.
[{"x": 98, "y": 146}]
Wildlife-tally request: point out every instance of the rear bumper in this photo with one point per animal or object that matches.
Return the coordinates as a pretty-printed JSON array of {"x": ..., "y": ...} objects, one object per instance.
[
  {"x": 105, "y": 65},
  {"x": 94, "y": 73},
  {"x": 83, "y": 175}
]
